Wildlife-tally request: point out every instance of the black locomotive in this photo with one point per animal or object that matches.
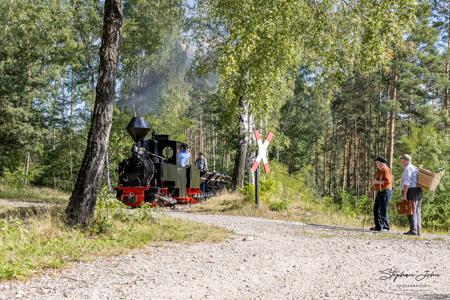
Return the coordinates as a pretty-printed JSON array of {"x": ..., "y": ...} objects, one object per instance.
[{"x": 151, "y": 174}]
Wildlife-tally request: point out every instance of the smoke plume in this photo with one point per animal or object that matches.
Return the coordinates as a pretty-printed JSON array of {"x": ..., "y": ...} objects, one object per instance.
[{"x": 144, "y": 91}]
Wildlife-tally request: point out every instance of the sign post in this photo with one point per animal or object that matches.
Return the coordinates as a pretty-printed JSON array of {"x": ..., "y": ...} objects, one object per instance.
[
  {"x": 257, "y": 186},
  {"x": 262, "y": 155}
]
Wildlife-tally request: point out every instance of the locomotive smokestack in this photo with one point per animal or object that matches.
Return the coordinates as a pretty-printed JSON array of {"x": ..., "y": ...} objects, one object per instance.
[{"x": 138, "y": 128}]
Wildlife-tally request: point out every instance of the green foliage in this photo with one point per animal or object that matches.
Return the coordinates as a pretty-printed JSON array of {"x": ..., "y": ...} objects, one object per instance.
[
  {"x": 280, "y": 205},
  {"x": 291, "y": 186},
  {"x": 279, "y": 188},
  {"x": 354, "y": 205},
  {"x": 337, "y": 125},
  {"x": 266, "y": 188},
  {"x": 47, "y": 60},
  {"x": 256, "y": 46},
  {"x": 109, "y": 210},
  {"x": 49, "y": 64},
  {"x": 14, "y": 179}
]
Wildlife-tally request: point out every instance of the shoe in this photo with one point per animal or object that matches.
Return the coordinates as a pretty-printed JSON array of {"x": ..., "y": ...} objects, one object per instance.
[
  {"x": 374, "y": 229},
  {"x": 410, "y": 233},
  {"x": 384, "y": 230}
]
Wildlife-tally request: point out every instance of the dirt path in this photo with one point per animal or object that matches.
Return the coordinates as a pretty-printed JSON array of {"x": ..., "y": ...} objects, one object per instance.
[
  {"x": 23, "y": 204},
  {"x": 265, "y": 260}
]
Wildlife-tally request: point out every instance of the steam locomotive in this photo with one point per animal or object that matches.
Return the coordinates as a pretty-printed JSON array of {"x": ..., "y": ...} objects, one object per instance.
[{"x": 151, "y": 173}]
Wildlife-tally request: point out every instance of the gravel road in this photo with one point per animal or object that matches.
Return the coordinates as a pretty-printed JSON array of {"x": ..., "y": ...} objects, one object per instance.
[{"x": 265, "y": 259}]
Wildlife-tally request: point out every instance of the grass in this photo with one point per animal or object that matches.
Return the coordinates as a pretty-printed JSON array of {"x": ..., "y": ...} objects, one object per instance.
[
  {"x": 40, "y": 240},
  {"x": 3, "y": 209},
  {"x": 284, "y": 197},
  {"x": 303, "y": 211},
  {"x": 33, "y": 194}
]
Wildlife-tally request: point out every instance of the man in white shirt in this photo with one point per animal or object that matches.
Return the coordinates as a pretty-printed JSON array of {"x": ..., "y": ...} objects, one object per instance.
[{"x": 411, "y": 192}]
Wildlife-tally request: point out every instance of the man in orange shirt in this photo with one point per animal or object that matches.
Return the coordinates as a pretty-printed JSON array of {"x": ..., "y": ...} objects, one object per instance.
[{"x": 383, "y": 186}]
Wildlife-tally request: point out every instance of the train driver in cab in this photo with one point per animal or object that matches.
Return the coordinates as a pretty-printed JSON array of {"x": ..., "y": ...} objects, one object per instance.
[{"x": 183, "y": 157}]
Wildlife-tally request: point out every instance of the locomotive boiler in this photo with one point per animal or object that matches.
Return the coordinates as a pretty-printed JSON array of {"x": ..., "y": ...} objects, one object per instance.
[{"x": 151, "y": 174}]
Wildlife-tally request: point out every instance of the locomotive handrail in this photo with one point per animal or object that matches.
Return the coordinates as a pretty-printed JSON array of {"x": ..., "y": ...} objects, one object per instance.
[{"x": 157, "y": 156}]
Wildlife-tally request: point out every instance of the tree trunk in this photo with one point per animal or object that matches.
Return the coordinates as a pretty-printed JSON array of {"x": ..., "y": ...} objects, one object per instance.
[
  {"x": 26, "y": 169},
  {"x": 355, "y": 158},
  {"x": 316, "y": 166},
  {"x": 377, "y": 134},
  {"x": 356, "y": 178},
  {"x": 335, "y": 158},
  {"x": 325, "y": 146},
  {"x": 72, "y": 99},
  {"x": 447, "y": 72},
  {"x": 83, "y": 199},
  {"x": 446, "y": 92},
  {"x": 213, "y": 154},
  {"x": 241, "y": 151},
  {"x": 107, "y": 177},
  {"x": 368, "y": 149},
  {"x": 194, "y": 150},
  {"x": 349, "y": 157},
  {"x": 344, "y": 159},
  {"x": 392, "y": 119},
  {"x": 332, "y": 159},
  {"x": 201, "y": 140}
]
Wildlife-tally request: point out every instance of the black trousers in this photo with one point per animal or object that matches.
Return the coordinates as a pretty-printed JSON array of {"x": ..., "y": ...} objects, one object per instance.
[{"x": 380, "y": 209}]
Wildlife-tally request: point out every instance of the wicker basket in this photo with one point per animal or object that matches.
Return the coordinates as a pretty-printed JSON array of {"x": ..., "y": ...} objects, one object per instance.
[
  {"x": 405, "y": 207},
  {"x": 427, "y": 179}
]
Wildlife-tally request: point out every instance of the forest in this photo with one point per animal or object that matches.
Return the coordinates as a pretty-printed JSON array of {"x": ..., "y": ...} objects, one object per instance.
[{"x": 338, "y": 82}]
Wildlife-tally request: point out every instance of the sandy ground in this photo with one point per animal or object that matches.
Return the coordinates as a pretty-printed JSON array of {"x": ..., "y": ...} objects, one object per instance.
[{"x": 265, "y": 259}]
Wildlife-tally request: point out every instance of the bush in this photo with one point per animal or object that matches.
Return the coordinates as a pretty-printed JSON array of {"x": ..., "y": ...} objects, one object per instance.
[
  {"x": 351, "y": 204},
  {"x": 108, "y": 210},
  {"x": 280, "y": 205},
  {"x": 266, "y": 189}
]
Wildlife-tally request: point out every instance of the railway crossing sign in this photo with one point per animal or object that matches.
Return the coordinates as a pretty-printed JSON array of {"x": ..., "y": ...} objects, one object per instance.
[
  {"x": 262, "y": 156},
  {"x": 262, "y": 151}
]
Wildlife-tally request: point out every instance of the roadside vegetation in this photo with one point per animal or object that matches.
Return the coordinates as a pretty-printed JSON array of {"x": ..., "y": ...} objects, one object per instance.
[
  {"x": 32, "y": 194},
  {"x": 290, "y": 197},
  {"x": 34, "y": 239},
  {"x": 283, "y": 196}
]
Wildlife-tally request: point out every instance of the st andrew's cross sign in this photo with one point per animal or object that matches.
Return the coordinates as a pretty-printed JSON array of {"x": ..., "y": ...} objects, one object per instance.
[{"x": 262, "y": 152}]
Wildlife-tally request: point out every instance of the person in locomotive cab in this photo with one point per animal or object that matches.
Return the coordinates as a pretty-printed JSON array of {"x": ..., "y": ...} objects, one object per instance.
[
  {"x": 383, "y": 186},
  {"x": 183, "y": 156},
  {"x": 411, "y": 192},
  {"x": 202, "y": 165}
]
